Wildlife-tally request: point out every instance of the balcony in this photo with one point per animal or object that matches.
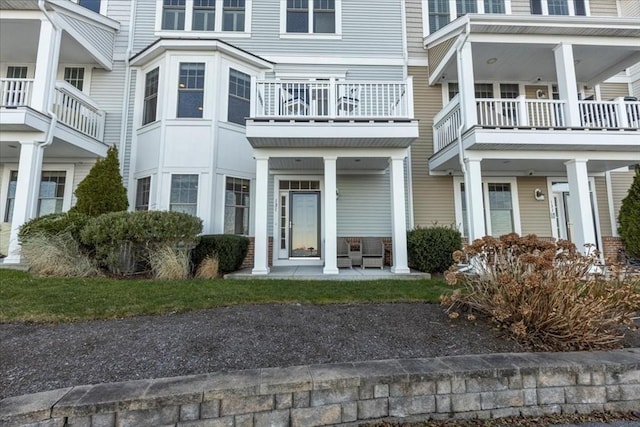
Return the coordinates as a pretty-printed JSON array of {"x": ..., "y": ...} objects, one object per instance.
[
  {"x": 72, "y": 108},
  {"x": 332, "y": 113}
]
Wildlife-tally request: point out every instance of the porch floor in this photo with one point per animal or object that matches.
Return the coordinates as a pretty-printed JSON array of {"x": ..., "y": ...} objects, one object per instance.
[{"x": 315, "y": 273}]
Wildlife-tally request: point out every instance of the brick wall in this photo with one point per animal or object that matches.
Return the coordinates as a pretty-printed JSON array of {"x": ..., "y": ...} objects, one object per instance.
[
  {"x": 610, "y": 246},
  {"x": 481, "y": 386}
]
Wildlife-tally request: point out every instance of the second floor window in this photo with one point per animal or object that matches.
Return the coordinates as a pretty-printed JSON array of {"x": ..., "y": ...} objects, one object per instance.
[
  {"x": 93, "y": 5},
  {"x": 311, "y": 16},
  {"x": 558, "y": 7},
  {"x": 173, "y": 14},
  {"x": 466, "y": 6},
  {"x": 204, "y": 15},
  {"x": 439, "y": 14},
  {"x": 191, "y": 90},
  {"x": 494, "y": 6},
  {"x": 74, "y": 76},
  {"x": 239, "y": 97},
  {"x": 149, "y": 113},
  {"x": 233, "y": 15}
]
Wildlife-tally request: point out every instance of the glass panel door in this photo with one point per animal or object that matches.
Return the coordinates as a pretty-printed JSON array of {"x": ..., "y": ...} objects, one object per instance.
[
  {"x": 284, "y": 224},
  {"x": 305, "y": 224}
]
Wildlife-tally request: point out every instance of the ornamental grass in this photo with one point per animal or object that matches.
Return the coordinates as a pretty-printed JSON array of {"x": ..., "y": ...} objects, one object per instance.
[{"x": 549, "y": 296}]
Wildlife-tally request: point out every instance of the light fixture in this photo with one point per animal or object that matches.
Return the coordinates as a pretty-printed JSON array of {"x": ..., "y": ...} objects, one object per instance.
[
  {"x": 12, "y": 146},
  {"x": 492, "y": 61},
  {"x": 538, "y": 194},
  {"x": 356, "y": 160}
]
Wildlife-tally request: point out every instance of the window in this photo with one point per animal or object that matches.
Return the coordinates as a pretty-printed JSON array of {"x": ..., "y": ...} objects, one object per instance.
[
  {"x": 204, "y": 15},
  {"x": 11, "y": 196},
  {"x": 93, "y": 5},
  {"x": 74, "y": 76},
  {"x": 236, "y": 206},
  {"x": 173, "y": 14},
  {"x": 463, "y": 199},
  {"x": 149, "y": 113},
  {"x": 324, "y": 16},
  {"x": 438, "y": 14},
  {"x": 501, "y": 213},
  {"x": 558, "y": 7},
  {"x": 297, "y": 16},
  {"x": 453, "y": 90},
  {"x": 143, "y": 189},
  {"x": 184, "y": 194},
  {"x": 579, "y": 7},
  {"x": 484, "y": 90},
  {"x": 509, "y": 90},
  {"x": 16, "y": 72},
  {"x": 494, "y": 6},
  {"x": 500, "y": 209},
  {"x": 233, "y": 15},
  {"x": 320, "y": 13},
  {"x": 466, "y": 6},
  {"x": 51, "y": 194},
  {"x": 536, "y": 7},
  {"x": 239, "y": 97},
  {"x": 191, "y": 90}
]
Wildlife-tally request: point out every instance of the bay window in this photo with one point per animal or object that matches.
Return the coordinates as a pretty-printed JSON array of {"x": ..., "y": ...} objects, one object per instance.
[
  {"x": 191, "y": 90},
  {"x": 238, "y": 106},
  {"x": 184, "y": 194},
  {"x": 150, "y": 108},
  {"x": 236, "y": 206}
]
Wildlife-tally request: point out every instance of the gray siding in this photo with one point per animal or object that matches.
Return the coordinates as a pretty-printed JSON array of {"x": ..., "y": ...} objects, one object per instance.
[
  {"x": 101, "y": 39},
  {"x": 613, "y": 90},
  {"x": 603, "y": 206},
  {"x": 126, "y": 166},
  {"x": 603, "y": 8},
  {"x": 107, "y": 89},
  {"x": 352, "y": 72},
  {"x": 145, "y": 24},
  {"x": 415, "y": 34},
  {"x": 368, "y": 194},
  {"x": 120, "y": 10},
  {"x": 520, "y": 7}
]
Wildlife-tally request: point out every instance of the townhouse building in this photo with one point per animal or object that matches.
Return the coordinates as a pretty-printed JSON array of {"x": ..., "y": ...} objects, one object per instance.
[{"x": 298, "y": 121}]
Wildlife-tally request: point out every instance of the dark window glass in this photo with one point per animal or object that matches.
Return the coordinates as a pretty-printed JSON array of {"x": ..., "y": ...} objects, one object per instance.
[
  {"x": 236, "y": 206},
  {"x": 453, "y": 90},
  {"x": 143, "y": 190},
  {"x": 466, "y": 6},
  {"x": 536, "y": 7},
  {"x": 324, "y": 16},
  {"x": 484, "y": 90},
  {"x": 11, "y": 196},
  {"x": 150, "y": 96},
  {"x": 204, "y": 15},
  {"x": 74, "y": 76},
  {"x": 93, "y": 5},
  {"x": 297, "y": 16},
  {"x": 494, "y": 6},
  {"x": 558, "y": 7},
  {"x": 16, "y": 72},
  {"x": 191, "y": 90},
  {"x": 438, "y": 14},
  {"x": 239, "y": 97},
  {"x": 509, "y": 90},
  {"x": 233, "y": 15},
  {"x": 580, "y": 7},
  {"x": 173, "y": 14},
  {"x": 51, "y": 192},
  {"x": 184, "y": 194}
]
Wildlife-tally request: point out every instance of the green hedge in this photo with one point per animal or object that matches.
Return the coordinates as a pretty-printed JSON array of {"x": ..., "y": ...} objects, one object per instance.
[
  {"x": 54, "y": 224},
  {"x": 431, "y": 249},
  {"x": 629, "y": 218},
  {"x": 230, "y": 250}
]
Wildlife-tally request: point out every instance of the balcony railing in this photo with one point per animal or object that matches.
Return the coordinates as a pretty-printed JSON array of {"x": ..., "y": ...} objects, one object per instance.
[
  {"x": 333, "y": 99},
  {"x": 78, "y": 111},
  {"x": 446, "y": 124},
  {"x": 15, "y": 92},
  {"x": 610, "y": 114}
]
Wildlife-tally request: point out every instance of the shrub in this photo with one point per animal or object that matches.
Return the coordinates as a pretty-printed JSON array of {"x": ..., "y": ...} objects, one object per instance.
[
  {"x": 101, "y": 191},
  {"x": 56, "y": 255},
  {"x": 122, "y": 239},
  {"x": 547, "y": 295},
  {"x": 229, "y": 249},
  {"x": 54, "y": 224},
  {"x": 430, "y": 249},
  {"x": 208, "y": 268},
  {"x": 629, "y": 218},
  {"x": 169, "y": 263}
]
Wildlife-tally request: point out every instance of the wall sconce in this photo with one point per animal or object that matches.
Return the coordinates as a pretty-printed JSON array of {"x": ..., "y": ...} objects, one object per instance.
[{"x": 538, "y": 194}]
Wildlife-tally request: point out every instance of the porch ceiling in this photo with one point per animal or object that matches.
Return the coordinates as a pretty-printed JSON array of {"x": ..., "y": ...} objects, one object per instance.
[
  {"x": 59, "y": 149},
  {"x": 316, "y": 163}
]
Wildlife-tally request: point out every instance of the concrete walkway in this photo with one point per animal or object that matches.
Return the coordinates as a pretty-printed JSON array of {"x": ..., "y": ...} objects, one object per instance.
[{"x": 315, "y": 273}]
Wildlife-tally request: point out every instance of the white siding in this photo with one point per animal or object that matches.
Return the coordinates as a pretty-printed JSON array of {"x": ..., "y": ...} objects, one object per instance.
[
  {"x": 99, "y": 38},
  {"x": 120, "y": 10},
  {"x": 107, "y": 89},
  {"x": 81, "y": 170}
]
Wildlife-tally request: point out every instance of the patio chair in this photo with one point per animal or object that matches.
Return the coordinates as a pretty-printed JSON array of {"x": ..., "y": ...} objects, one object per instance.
[
  {"x": 372, "y": 252},
  {"x": 348, "y": 101},
  {"x": 294, "y": 101},
  {"x": 343, "y": 253}
]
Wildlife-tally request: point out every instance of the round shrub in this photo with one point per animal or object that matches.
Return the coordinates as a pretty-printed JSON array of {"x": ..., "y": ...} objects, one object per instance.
[
  {"x": 229, "y": 249},
  {"x": 54, "y": 224},
  {"x": 630, "y": 218},
  {"x": 431, "y": 249}
]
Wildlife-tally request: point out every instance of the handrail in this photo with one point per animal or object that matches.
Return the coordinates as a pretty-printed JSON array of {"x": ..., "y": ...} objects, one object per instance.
[
  {"x": 78, "y": 111},
  {"x": 446, "y": 125},
  {"x": 15, "y": 92}
]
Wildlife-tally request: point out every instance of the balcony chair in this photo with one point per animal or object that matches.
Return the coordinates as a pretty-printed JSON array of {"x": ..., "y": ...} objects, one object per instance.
[
  {"x": 348, "y": 101},
  {"x": 372, "y": 252},
  {"x": 343, "y": 253},
  {"x": 294, "y": 102}
]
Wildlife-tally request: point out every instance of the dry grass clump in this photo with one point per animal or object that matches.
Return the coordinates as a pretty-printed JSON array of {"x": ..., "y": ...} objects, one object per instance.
[
  {"x": 549, "y": 296},
  {"x": 169, "y": 263},
  {"x": 208, "y": 268},
  {"x": 57, "y": 255}
]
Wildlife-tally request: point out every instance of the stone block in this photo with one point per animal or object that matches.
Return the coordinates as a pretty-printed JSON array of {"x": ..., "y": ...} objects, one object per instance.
[
  {"x": 623, "y": 406},
  {"x": 502, "y": 399},
  {"x": 272, "y": 419},
  {"x": 380, "y": 390},
  {"x": 585, "y": 394},
  {"x": 103, "y": 420},
  {"x": 213, "y": 422},
  {"x": 148, "y": 417},
  {"x": 630, "y": 392},
  {"x": 318, "y": 416},
  {"x": 443, "y": 387},
  {"x": 284, "y": 400},
  {"x": 301, "y": 399},
  {"x": 530, "y": 396},
  {"x": 107, "y": 397},
  {"x": 176, "y": 390},
  {"x": 597, "y": 378},
  {"x": 365, "y": 391},
  {"x": 515, "y": 382},
  {"x": 79, "y": 421},
  {"x": 529, "y": 381},
  {"x": 210, "y": 409},
  {"x": 349, "y": 412},
  {"x": 584, "y": 378},
  {"x": 376, "y": 408},
  {"x": 329, "y": 396},
  {"x": 443, "y": 403},
  {"x": 505, "y": 412},
  {"x": 613, "y": 393},
  {"x": 231, "y": 384},
  {"x": 458, "y": 385},
  {"x": 551, "y": 395},
  {"x": 556, "y": 378},
  {"x": 413, "y": 405},
  {"x": 31, "y": 407},
  {"x": 338, "y": 375},
  {"x": 475, "y": 385},
  {"x": 245, "y": 420},
  {"x": 413, "y": 389},
  {"x": 531, "y": 411},
  {"x": 465, "y": 402},
  {"x": 190, "y": 412},
  {"x": 283, "y": 380},
  {"x": 624, "y": 377},
  {"x": 245, "y": 405},
  {"x": 52, "y": 422}
]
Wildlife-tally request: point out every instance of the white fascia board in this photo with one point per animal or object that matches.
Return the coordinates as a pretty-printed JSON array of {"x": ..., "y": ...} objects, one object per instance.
[
  {"x": 448, "y": 31},
  {"x": 337, "y": 60},
  {"x": 553, "y": 39},
  {"x": 83, "y": 14},
  {"x": 209, "y": 46},
  {"x": 330, "y": 152}
]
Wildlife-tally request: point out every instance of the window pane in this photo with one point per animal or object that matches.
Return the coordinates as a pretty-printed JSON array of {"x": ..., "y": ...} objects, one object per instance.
[
  {"x": 438, "y": 14},
  {"x": 142, "y": 193},
  {"x": 500, "y": 208},
  {"x": 494, "y": 6},
  {"x": 204, "y": 15},
  {"x": 558, "y": 7},
  {"x": 150, "y": 96},
  {"x": 233, "y": 15},
  {"x": 484, "y": 90},
  {"x": 74, "y": 76},
  {"x": 239, "y": 97},
  {"x": 184, "y": 194},
  {"x": 173, "y": 15},
  {"x": 580, "y": 7},
  {"x": 16, "y": 72},
  {"x": 191, "y": 90},
  {"x": 324, "y": 16},
  {"x": 91, "y": 5},
  {"x": 465, "y": 231},
  {"x": 466, "y": 6},
  {"x": 11, "y": 196},
  {"x": 509, "y": 91},
  {"x": 51, "y": 193},
  {"x": 536, "y": 7},
  {"x": 453, "y": 90},
  {"x": 236, "y": 211},
  {"x": 297, "y": 16}
]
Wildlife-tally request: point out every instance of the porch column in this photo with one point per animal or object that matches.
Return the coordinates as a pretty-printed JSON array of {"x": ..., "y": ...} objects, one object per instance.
[
  {"x": 466, "y": 86},
  {"x": 474, "y": 199},
  {"x": 567, "y": 86},
  {"x": 580, "y": 211},
  {"x": 27, "y": 191},
  {"x": 330, "y": 217},
  {"x": 46, "y": 65},
  {"x": 399, "y": 217},
  {"x": 261, "y": 240}
]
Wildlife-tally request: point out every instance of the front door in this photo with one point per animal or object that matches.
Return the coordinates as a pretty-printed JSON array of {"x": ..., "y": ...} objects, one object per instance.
[
  {"x": 304, "y": 231},
  {"x": 561, "y": 213}
]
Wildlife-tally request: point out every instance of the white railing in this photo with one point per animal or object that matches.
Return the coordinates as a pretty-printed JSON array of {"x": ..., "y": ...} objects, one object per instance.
[
  {"x": 332, "y": 99},
  {"x": 498, "y": 112},
  {"x": 78, "y": 111},
  {"x": 446, "y": 124},
  {"x": 610, "y": 114},
  {"x": 633, "y": 113},
  {"x": 15, "y": 92},
  {"x": 544, "y": 113}
]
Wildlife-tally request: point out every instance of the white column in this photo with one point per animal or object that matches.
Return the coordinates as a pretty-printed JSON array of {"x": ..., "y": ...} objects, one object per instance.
[
  {"x": 330, "y": 217},
  {"x": 46, "y": 65},
  {"x": 580, "y": 211},
  {"x": 399, "y": 217},
  {"x": 567, "y": 86},
  {"x": 474, "y": 199},
  {"x": 466, "y": 86},
  {"x": 261, "y": 242},
  {"x": 27, "y": 190}
]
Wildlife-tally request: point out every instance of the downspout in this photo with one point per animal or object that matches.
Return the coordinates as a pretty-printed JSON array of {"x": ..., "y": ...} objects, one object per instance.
[
  {"x": 127, "y": 86},
  {"x": 52, "y": 78},
  {"x": 405, "y": 68}
]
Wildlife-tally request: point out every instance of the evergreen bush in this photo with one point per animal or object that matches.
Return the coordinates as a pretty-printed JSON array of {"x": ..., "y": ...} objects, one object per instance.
[
  {"x": 101, "y": 191},
  {"x": 431, "y": 249},
  {"x": 54, "y": 224},
  {"x": 229, "y": 249},
  {"x": 629, "y": 218}
]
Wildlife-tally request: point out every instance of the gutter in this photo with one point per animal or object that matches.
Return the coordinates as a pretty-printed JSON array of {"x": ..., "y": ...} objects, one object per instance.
[
  {"x": 405, "y": 68},
  {"x": 49, "y": 98},
  {"x": 127, "y": 87}
]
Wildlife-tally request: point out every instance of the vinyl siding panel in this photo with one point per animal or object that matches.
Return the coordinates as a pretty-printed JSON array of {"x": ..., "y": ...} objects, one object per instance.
[
  {"x": 145, "y": 24},
  {"x": 635, "y": 88},
  {"x": 613, "y": 90},
  {"x": 432, "y": 195},
  {"x": 99, "y": 38},
  {"x": 415, "y": 34},
  {"x": 352, "y": 72},
  {"x": 520, "y": 7},
  {"x": 437, "y": 53},
  {"x": 603, "y": 8},
  {"x": 534, "y": 214},
  {"x": 364, "y": 206},
  {"x": 620, "y": 184},
  {"x": 630, "y": 8},
  {"x": 603, "y": 206},
  {"x": 120, "y": 10},
  {"x": 107, "y": 89}
]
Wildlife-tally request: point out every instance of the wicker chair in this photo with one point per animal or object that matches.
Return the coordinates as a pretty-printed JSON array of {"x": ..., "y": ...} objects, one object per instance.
[
  {"x": 372, "y": 252},
  {"x": 343, "y": 253}
]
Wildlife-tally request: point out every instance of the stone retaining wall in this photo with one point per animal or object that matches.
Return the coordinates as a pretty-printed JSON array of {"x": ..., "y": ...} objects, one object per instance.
[{"x": 494, "y": 385}]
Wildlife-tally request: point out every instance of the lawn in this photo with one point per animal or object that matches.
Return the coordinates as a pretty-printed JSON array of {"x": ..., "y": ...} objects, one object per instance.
[{"x": 24, "y": 297}]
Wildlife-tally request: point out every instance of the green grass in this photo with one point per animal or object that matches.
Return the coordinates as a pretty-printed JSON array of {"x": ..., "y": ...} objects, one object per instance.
[{"x": 25, "y": 298}]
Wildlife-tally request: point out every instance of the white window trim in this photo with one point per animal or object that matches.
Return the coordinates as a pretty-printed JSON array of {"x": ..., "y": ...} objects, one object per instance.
[
  {"x": 252, "y": 183},
  {"x": 152, "y": 183},
  {"x": 225, "y": 69},
  {"x": 31, "y": 68},
  {"x": 310, "y": 34},
  {"x": 86, "y": 82},
  {"x": 515, "y": 202},
  {"x": 453, "y": 13},
  {"x": 188, "y": 21},
  {"x": 570, "y": 6},
  {"x": 145, "y": 72}
]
